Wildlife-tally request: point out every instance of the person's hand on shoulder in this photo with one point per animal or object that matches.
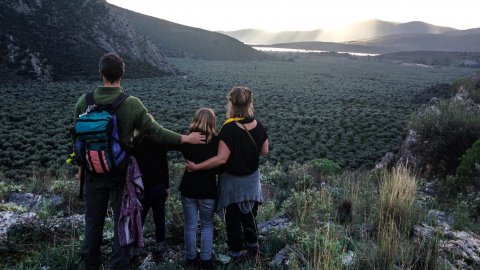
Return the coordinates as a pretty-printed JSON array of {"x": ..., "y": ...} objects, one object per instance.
[{"x": 193, "y": 138}]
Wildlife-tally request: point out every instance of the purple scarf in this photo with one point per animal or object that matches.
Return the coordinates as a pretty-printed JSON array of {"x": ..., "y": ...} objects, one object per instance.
[{"x": 130, "y": 228}]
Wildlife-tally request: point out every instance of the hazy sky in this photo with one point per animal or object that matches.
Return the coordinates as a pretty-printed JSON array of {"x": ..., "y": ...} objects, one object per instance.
[{"x": 305, "y": 14}]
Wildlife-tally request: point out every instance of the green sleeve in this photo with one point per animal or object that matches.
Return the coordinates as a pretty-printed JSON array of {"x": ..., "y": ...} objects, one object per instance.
[
  {"x": 144, "y": 122},
  {"x": 79, "y": 106}
]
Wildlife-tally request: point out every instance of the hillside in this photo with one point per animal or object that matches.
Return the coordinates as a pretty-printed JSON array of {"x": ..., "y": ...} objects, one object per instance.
[
  {"x": 182, "y": 41},
  {"x": 57, "y": 40},
  {"x": 435, "y": 58},
  {"x": 61, "y": 40},
  {"x": 362, "y": 30},
  {"x": 461, "y": 40}
]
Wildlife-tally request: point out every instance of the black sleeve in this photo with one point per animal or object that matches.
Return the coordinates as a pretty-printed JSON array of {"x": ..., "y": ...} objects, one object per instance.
[
  {"x": 263, "y": 134},
  {"x": 226, "y": 135}
]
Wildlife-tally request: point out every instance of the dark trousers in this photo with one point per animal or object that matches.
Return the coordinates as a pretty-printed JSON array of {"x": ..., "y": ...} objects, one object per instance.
[
  {"x": 240, "y": 227},
  {"x": 155, "y": 198},
  {"x": 98, "y": 192}
]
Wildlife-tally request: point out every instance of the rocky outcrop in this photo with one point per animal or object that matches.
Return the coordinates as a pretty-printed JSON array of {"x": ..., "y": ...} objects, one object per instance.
[
  {"x": 8, "y": 219},
  {"x": 25, "y": 207},
  {"x": 459, "y": 249},
  {"x": 273, "y": 224},
  {"x": 34, "y": 201},
  {"x": 54, "y": 40},
  {"x": 386, "y": 162},
  {"x": 406, "y": 156}
]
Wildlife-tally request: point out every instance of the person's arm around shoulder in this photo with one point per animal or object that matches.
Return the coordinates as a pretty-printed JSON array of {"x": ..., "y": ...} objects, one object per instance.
[
  {"x": 145, "y": 123},
  {"x": 221, "y": 158}
]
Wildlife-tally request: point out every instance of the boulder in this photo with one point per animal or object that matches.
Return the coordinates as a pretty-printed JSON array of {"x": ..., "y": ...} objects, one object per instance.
[
  {"x": 458, "y": 249},
  {"x": 34, "y": 201},
  {"x": 10, "y": 218},
  {"x": 281, "y": 259},
  {"x": 406, "y": 156},
  {"x": 386, "y": 162},
  {"x": 275, "y": 223},
  {"x": 431, "y": 189},
  {"x": 348, "y": 258}
]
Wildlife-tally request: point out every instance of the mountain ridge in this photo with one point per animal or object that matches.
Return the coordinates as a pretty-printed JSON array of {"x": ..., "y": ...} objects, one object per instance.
[
  {"x": 179, "y": 40},
  {"x": 369, "y": 29}
]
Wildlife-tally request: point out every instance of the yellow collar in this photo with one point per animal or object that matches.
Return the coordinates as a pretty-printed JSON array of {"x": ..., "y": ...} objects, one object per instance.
[{"x": 233, "y": 119}]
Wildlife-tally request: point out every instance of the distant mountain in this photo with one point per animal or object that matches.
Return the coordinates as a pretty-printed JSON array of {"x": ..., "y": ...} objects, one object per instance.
[
  {"x": 255, "y": 36},
  {"x": 183, "y": 41},
  {"x": 460, "y": 40},
  {"x": 451, "y": 41},
  {"x": 358, "y": 31},
  {"x": 56, "y": 40}
]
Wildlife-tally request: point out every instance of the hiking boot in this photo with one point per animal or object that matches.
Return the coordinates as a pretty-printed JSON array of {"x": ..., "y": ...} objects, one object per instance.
[
  {"x": 238, "y": 259},
  {"x": 253, "y": 252},
  {"x": 191, "y": 264},
  {"x": 158, "y": 252},
  {"x": 136, "y": 260},
  {"x": 206, "y": 265}
]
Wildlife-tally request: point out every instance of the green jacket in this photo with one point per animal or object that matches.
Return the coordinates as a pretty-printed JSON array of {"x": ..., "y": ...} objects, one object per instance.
[{"x": 132, "y": 115}]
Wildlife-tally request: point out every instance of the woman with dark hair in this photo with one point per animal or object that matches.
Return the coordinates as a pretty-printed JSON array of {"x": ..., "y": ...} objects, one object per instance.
[{"x": 242, "y": 139}]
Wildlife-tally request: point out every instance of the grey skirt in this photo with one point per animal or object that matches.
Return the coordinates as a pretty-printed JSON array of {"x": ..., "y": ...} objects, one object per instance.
[{"x": 244, "y": 190}]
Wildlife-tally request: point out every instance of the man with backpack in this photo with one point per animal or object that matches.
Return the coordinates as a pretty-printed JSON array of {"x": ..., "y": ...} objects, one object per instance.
[{"x": 104, "y": 126}]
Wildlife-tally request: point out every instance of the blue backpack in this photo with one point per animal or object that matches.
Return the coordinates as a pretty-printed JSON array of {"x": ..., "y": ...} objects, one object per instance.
[{"x": 97, "y": 142}]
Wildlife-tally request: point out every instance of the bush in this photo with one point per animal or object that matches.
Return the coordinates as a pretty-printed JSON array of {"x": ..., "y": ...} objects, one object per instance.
[
  {"x": 468, "y": 172},
  {"x": 444, "y": 134},
  {"x": 325, "y": 166}
]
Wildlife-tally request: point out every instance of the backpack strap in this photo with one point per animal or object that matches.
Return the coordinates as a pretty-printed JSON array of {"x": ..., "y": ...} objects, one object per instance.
[
  {"x": 119, "y": 100},
  {"x": 89, "y": 98}
]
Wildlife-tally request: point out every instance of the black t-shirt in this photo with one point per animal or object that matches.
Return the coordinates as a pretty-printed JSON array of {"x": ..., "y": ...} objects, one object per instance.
[
  {"x": 152, "y": 160},
  {"x": 244, "y": 155},
  {"x": 200, "y": 184}
]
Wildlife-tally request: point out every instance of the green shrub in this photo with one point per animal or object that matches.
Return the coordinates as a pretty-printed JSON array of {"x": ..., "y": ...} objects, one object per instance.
[
  {"x": 325, "y": 166},
  {"x": 468, "y": 83},
  {"x": 444, "y": 133},
  {"x": 468, "y": 172}
]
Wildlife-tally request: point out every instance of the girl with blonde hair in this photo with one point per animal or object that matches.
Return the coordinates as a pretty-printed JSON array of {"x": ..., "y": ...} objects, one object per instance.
[{"x": 199, "y": 189}]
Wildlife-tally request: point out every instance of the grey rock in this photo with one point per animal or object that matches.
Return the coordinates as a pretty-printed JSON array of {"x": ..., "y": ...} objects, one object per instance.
[
  {"x": 348, "y": 259},
  {"x": 147, "y": 263},
  {"x": 282, "y": 258},
  {"x": 431, "y": 188},
  {"x": 34, "y": 201},
  {"x": 406, "y": 156},
  {"x": 459, "y": 248},
  {"x": 275, "y": 223},
  {"x": 10, "y": 218},
  {"x": 434, "y": 102},
  {"x": 440, "y": 217},
  {"x": 386, "y": 162}
]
